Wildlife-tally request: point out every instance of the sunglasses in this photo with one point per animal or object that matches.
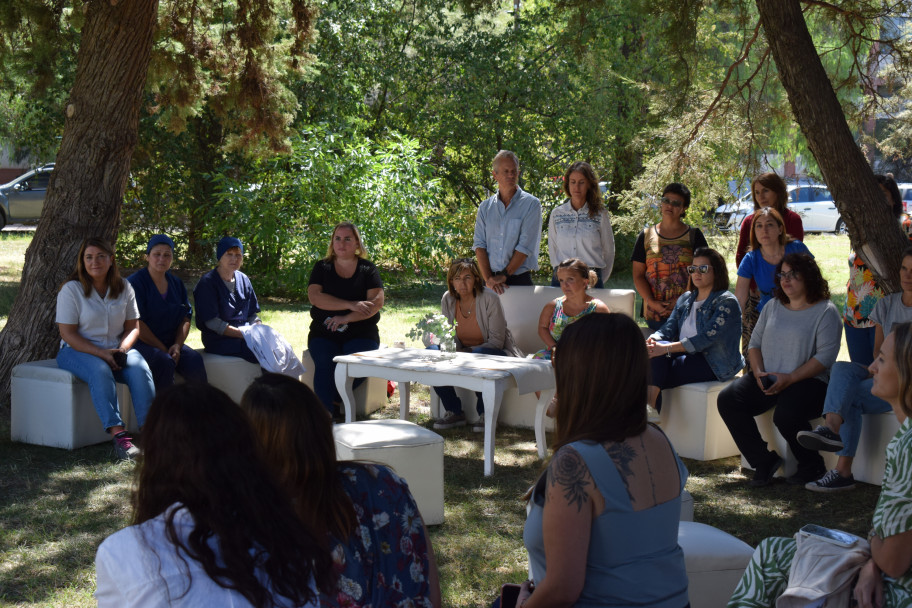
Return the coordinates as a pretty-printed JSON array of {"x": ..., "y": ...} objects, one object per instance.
[
  {"x": 791, "y": 274},
  {"x": 673, "y": 203},
  {"x": 702, "y": 269}
]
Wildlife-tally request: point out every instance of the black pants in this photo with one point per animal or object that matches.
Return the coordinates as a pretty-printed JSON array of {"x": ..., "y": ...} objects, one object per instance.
[
  {"x": 523, "y": 278},
  {"x": 795, "y": 406}
]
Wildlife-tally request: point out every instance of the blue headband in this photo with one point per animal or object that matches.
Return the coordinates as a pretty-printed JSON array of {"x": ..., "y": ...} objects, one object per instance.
[
  {"x": 225, "y": 244},
  {"x": 159, "y": 239}
]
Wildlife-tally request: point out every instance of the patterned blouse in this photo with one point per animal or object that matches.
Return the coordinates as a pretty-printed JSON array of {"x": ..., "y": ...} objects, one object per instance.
[
  {"x": 862, "y": 293},
  {"x": 385, "y": 562},
  {"x": 560, "y": 320},
  {"x": 893, "y": 513}
]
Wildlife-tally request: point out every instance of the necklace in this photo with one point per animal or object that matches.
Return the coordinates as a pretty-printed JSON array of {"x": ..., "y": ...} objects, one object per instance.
[{"x": 466, "y": 315}]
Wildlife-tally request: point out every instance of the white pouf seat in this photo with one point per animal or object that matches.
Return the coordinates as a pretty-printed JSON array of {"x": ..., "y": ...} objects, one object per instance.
[
  {"x": 413, "y": 452},
  {"x": 52, "y": 407},
  {"x": 691, "y": 420},
  {"x": 230, "y": 374},
  {"x": 715, "y": 561}
]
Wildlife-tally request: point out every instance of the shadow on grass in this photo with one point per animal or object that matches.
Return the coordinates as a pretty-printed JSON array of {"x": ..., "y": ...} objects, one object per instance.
[
  {"x": 56, "y": 506},
  {"x": 8, "y": 291}
]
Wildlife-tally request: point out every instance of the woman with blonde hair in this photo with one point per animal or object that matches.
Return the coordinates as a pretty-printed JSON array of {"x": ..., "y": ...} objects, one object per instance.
[
  {"x": 379, "y": 546},
  {"x": 346, "y": 295}
]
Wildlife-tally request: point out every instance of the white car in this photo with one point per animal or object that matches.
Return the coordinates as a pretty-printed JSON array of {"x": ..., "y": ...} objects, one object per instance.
[{"x": 813, "y": 202}]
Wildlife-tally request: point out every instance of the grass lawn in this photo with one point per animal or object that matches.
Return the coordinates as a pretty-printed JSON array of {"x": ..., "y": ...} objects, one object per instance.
[{"x": 56, "y": 506}]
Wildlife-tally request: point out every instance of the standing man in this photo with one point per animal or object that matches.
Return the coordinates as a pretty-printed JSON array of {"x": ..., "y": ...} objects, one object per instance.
[{"x": 507, "y": 229}]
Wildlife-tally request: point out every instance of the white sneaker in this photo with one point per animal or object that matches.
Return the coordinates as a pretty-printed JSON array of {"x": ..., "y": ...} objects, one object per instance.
[{"x": 449, "y": 420}]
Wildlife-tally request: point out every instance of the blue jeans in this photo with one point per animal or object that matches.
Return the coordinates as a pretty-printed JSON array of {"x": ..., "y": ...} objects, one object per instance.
[
  {"x": 447, "y": 394},
  {"x": 849, "y": 395},
  {"x": 101, "y": 379},
  {"x": 190, "y": 365},
  {"x": 860, "y": 342},
  {"x": 598, "y": 284},
  {"x": 322, "y": 351}
]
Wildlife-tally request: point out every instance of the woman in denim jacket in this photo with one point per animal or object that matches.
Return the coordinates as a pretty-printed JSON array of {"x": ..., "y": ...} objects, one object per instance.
[{"x": 701, "y": 339}]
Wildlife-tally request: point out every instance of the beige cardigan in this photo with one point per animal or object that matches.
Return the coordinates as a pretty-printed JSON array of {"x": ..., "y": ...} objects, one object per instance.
[{"x": 491, "y": 321}]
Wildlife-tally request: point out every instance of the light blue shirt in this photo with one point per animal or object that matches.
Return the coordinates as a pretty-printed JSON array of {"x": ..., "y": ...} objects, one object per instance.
[{"x": 501, "y": 231}]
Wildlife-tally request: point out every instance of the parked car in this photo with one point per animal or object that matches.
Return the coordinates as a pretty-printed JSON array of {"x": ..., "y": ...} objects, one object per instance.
[
  {"x": 23, "y": 198},
  {"x": 813, "y": 202},
  {"x": 905, "y": 189}
]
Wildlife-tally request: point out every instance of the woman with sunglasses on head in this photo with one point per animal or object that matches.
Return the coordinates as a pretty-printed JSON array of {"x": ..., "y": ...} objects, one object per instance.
[
  {"x": 481, "y": 328},
  {"x": 769, "y": 243},
  {"x": 884, "y": 579},
  {"x": 662, "y": 254},
  {"x": 792, "y": 348},
  {"x": 700, "y": 340},
  {"x": 581, "y": 227}
]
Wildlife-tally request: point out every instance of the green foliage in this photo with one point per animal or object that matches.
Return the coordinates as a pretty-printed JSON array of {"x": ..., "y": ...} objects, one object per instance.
[{"x": 284, "y": 207}]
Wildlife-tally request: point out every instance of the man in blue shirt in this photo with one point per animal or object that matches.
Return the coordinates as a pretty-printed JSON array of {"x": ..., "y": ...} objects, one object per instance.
[{"x": 507, "y": 229}]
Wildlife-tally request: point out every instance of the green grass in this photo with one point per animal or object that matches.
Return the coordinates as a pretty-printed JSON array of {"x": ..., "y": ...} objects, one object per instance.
[{"x": 56, "y": 505}]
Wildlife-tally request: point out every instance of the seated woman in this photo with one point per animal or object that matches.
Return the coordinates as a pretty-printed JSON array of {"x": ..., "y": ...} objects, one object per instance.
[
  {"x": 99, "y": 324},
  {"x": 346, "y": 296},
  {"x": 581, "y": 226},
  {"x": 795, "y": 343},
  {"x": 700, "y": 340},
  {"x": 211, "y": 527},
  {"x": 602, "y": 528},
  {"x": 165, "y": 314},
  {"x": 849, "y": 392},
  {"x": 380, "y": 548},
  {"x": 885, "y": 580},
  {"x": 480, "y": 328},
  {"x": 575, "y": 278},
  {"x": 225, "y": 300}
]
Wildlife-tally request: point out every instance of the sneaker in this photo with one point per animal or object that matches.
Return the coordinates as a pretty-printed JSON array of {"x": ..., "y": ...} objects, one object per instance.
[
  {"x": 821, "y": 439},
  {"x": 449, "y": 420},
  {"x": 478, "y": 425},
  {"x": 123, "y": 446},
  {"x": 801, "y": 478},
  {"x": 832, "y": 482},
  {"x": 763, "y": 475}
]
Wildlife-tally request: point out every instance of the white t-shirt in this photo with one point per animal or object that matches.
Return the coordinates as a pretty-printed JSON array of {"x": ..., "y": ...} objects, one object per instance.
[
  {"x": 689, "y": 326},
  {"x": 100, "y": 320},
  {"x": 889, "y": 310},
  {"x": 139, "y": 567}
]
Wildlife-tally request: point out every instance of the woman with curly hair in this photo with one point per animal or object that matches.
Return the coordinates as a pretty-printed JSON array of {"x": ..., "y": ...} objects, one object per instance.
[
  {"x": 370, "y": 522},
  {"x": 602, "y": 528},
  {"x": 792, "y": 348},
  {"x": 581, "y": 227},
  {"x": 210, "y": 527}
]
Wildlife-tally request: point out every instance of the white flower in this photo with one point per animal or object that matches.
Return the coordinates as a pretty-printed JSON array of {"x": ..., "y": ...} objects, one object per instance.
[
  {"x": 416, "y": 571},
  {"x": 380, "y": 520},
  {"x": 338, "y": 555},
  {"x": 365, "y": 536},
  {"x": 411, "y": 522},
  {"x": 350, "y": 587}
]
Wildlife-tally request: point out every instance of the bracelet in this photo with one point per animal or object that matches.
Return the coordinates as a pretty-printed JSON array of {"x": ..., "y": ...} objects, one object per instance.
[
  {"x": 668, "y": 351},
  {"x": 871, "y": 535}
]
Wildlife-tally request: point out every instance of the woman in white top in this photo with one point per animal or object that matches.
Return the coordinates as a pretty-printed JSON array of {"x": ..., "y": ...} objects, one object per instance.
[
  {"x": 99, "y": 323},
  {"x": 580, "y": 227},
  {"x": 211, "y": 527}
]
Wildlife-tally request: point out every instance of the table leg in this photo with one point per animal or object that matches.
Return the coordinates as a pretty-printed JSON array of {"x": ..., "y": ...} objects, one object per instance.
[
  {"x": 540, "y": 410},
  {"x": 344, "y": 386},
  {"x": 404, "y": 395},
  {"x": 492, "y": 393}
]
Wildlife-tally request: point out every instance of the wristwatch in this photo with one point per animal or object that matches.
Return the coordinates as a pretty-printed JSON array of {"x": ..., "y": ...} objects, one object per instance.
[{"x": 668, "y": 351}]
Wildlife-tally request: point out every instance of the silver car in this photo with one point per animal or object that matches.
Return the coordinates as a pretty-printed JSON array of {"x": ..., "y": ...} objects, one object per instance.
[
  {"x": 813, "y": 202},
  {"x": 22, "y": 199}
]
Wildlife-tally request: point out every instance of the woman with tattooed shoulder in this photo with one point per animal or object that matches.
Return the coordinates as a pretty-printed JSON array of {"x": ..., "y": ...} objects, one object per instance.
[{"x": 602, "y": 529}]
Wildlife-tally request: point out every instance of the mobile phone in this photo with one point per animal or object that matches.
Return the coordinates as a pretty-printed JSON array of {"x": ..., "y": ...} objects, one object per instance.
[
  {"x": 509, "y": 594},
  {"x": 837, "y": 537},
  {"x": 120, "y": 358},
  {"x": 767, "y": 381}
]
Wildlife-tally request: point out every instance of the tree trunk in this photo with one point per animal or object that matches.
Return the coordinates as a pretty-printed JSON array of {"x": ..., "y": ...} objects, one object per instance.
[
  {"x": 874, "y": 232},
  {"x": 86, "y": 188}
]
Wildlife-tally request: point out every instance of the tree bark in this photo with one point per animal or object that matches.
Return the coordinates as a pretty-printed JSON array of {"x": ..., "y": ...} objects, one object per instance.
[
  {"x": 874, "y": 232},
  {"x": 93, "y": 164}
]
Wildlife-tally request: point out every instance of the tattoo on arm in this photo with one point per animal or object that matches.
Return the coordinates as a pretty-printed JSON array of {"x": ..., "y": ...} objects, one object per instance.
[{"x": 569, "y": 471}]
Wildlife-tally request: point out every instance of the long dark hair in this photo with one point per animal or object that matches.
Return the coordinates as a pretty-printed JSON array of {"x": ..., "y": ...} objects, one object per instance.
[
  {"x": 112, "y": 279},
  {"x": 296, "y": 437},
  {"x": 608, "y": 405},
  {"x": 200, "y": 451},
  {"x": 593, "y": 193},
  {"x": 777, "y": 185}
]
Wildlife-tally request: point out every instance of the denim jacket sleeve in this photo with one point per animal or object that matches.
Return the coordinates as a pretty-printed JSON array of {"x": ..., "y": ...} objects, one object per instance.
[
  {"x": 722, "y": 320},
  {"x": 671, "y": 329}
]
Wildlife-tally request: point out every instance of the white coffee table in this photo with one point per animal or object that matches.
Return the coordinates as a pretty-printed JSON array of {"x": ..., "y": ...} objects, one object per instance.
[{"x": 489, "y": 374}]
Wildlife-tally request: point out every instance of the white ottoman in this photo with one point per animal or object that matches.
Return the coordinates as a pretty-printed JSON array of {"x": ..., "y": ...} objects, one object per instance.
[
  {"x": 230, "y": 374},
  {"x": 692, "y": 422},
  {"x": 715, "y": 562},
  {"x": 414, "y": 452},
  {"x": 50, "y": 406}
]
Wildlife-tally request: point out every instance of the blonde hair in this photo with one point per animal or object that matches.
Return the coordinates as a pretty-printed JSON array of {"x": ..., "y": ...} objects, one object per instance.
[{"x": 361, "y": 251}]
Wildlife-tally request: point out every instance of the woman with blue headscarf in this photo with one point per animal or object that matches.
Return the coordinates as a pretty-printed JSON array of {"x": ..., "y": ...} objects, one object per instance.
[
  {"x": 225, "y": 300},
  {"x": 165, "y": 312}
]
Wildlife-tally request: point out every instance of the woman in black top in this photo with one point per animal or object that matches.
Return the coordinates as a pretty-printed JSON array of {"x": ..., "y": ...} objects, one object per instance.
[{"x": 346, "y": 295}]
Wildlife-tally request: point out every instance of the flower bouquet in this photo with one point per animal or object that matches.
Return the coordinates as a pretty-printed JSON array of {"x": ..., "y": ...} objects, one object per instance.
[{"x": 435, "y": 330}]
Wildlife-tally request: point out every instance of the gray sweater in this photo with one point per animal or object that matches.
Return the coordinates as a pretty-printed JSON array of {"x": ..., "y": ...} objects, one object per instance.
[
  {"x": 490, "y": 315},
  {"x": 788, "y": 339}
]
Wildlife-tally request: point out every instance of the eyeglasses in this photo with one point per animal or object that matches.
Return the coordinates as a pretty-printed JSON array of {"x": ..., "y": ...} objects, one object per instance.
[
  {"x": 702, "y": 269},
  {"x": 788, "y": 276},
  {"x": 674, "y": 203}
]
